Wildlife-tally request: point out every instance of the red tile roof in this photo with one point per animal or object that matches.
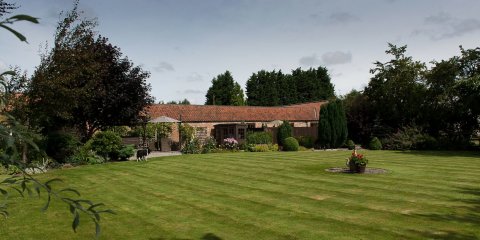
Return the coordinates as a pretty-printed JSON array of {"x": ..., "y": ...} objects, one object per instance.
[{"x": 215, "y": 113}]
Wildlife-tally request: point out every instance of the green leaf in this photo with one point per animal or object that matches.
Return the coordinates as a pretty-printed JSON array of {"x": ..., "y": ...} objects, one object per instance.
[
  {"x": 53, "y": 180},
  {"x": 70, "y": 190},
  {"x": 11, "y": 73},
  {"x": 72, "y": 209},
  {"x": 107, "y": 211},
  {"x": 19, "y": 191},
  {"x": 84, "y": 201},
  {"x": 76, "y": 221},
  {"x": 4, "y": 192},
  {"x": 94, "y": 206},
  {"x": 23, "y": 17},
  {"x": 47, "y": 183},
  {"x": 17, "y": 34},
  {"x": 46, "y": 204},
  {"x": 10, "y": 180},
  {"x": 37, "y": 189}
]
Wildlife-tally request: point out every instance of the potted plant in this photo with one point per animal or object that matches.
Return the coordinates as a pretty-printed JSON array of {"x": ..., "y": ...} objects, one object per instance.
[{"x": 357, "y": 162}]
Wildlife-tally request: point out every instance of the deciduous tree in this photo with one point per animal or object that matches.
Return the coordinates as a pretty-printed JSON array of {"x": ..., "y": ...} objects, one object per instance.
[{"x": 85, "y": 82}]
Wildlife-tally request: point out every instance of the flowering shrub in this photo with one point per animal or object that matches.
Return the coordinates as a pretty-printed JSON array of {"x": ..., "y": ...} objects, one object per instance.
[
  {"x": 230, "y": 143},
  {"x": 358, "y": 159}
]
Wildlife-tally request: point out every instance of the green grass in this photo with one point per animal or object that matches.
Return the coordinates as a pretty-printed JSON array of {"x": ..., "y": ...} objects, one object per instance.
[{"x": 267, "y": 196}]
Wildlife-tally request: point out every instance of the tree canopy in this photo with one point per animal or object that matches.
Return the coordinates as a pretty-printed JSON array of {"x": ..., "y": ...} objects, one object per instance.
[
  {"x": 396, "y": 88},
  {"x": 439, "y": 104},
  {"x": 275, "y": 88},
  {"x": 225, "y": 91},
  {"x": 84, "y": 82}
]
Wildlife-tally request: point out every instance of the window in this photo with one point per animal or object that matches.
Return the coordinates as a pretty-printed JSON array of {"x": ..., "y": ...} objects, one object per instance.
[
  {"x": 201, "y": 132},
  {"x": 241, "y": 133}
]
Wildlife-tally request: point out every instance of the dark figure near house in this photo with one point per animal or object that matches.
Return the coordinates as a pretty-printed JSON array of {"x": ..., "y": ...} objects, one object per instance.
[{"x": 142, "y": 154}]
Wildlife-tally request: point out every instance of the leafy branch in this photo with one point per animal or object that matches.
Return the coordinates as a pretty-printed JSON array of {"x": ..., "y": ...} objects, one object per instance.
[
  {"x": 27, "y": 184},
  {"x": 17, "y": 18},
  {"x": 14, "y": 135}
]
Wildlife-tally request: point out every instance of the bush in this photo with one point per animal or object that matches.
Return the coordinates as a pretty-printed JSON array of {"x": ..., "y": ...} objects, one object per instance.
[
  {"x": 83, "y": 156},
  {"x": 192, "y": 147},
  {"x": 409, "y": 138},
  {"x": 230, "y": 144},
  {"x": 60, "y": 146},
  {"x": 290, "y": 144},
  {"x": 105, "y": 144},
  {"x": 262, "y": 148},
  {"x": 375, "y": 144},
  {"x": 350, "y": 145},
  {"x": 284, "y": 131},
  {"x": 302, "y": 148},
  {"x": 259, "y": 138},
  {"x": 126, "y": 152},
  {"x": 186, "y": 133},
  {"x": 210, "y": 145},
  {"x": 306, "y": 141}
]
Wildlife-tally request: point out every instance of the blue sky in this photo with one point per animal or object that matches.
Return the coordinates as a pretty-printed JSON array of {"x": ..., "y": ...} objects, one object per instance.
[{"x": 186, "y": 43}]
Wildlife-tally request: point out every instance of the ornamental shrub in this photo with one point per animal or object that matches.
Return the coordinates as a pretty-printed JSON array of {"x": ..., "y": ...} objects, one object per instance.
[
  {"x": 230, "y": 144},
  {"x": 290, "y": 144},
  {"x": 306, "y": 141},
  {"x": 284, "y": 131},
  {"x": 259, "y": 138},
  {"x": 262, "y": 148},
  {"x": 105, "y": 144},
  {"x": 375, "y": 144},
  {"x": 350, "y": 145},
  {"x": 209, "y": 145},
  {"x": 126, "y": 152},
  {"x": 192, "y": 147},
  {"x": 85, "y": 155},
  {"x": 409, "y": 138}
]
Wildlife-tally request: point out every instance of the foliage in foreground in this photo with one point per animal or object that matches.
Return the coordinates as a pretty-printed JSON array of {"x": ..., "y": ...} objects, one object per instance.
[{"x": 16, "y": 139}]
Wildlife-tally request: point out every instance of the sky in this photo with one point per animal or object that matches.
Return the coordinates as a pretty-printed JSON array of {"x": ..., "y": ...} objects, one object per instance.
[{"x": 184, "y": 44}]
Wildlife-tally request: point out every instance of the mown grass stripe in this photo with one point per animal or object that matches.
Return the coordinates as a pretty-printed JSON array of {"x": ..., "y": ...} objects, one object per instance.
[
  {"x": 232, "y": 198},
  {"x": 291, "y": 176}
]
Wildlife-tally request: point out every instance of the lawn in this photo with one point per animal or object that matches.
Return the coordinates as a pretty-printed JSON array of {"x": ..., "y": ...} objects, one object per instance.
[{"x": 267, "y": 196}]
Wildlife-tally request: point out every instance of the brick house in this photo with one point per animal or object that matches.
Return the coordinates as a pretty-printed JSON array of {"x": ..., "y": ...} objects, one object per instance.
[{"x": 234, "y": 121}]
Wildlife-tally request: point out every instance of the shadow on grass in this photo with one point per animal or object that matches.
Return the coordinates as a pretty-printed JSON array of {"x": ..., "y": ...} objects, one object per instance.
[
  {"x": 467, "y": 154},
  {"x": 207, "y": 236},
  {"x": 470, "y": 217}
]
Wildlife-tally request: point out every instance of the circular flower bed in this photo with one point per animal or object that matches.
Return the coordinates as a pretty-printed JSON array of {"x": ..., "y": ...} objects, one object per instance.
[{"x": 347, "y": 170}]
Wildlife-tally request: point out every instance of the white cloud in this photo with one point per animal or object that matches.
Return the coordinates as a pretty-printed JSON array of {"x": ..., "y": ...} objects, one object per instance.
[
  {"x": 337, "y": 57},
  {"x": 191, "y": 91},
  {"x": 164, "y": 67},
  {"x": 194, "y": 77},
  {"x": 327, "y": 59},
  {"x": 342, "y": 18},
  {"x": 443, "y": 26},
  {"x": 310, "y": 60}
]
